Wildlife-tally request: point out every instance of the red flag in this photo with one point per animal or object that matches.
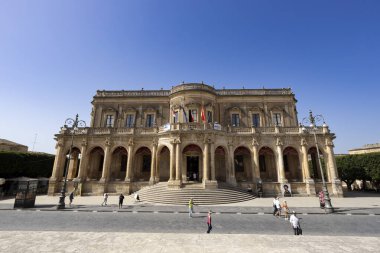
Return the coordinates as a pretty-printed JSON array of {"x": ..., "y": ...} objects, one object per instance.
[{"x": 203, "y": 116}]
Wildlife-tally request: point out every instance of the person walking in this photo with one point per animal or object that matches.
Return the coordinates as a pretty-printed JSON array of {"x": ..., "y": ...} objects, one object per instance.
[
  {"x": 121, "y": 199},
  {"x": 71, "y": 197},
  {"x": 191, "y": 204},
  {"x": 285, "y": 208},
  {"x": 294, "y": 221},
  {"x": 105, "y": 198},
  {"x": 274, "y": 205},
  {"x": 209, "y": 226},
  {"x": 278, "y": 207}
]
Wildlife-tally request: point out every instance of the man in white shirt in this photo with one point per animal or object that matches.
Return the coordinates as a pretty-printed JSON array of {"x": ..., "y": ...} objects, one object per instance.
[{"x": 294, "y": 221}]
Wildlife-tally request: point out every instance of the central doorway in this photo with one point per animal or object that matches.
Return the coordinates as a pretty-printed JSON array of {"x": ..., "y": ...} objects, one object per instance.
[{"x": 193, "y": 168}]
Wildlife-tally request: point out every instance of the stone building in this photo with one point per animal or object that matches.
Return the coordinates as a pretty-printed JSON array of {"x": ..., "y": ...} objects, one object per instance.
[
  {"x": 368, "y": 148},
  {"x": 6, "y": 145},
  {"x": 194, "y": 133}
]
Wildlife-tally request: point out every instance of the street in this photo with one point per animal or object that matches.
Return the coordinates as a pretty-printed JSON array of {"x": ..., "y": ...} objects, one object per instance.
[{"x": 316, "y": 224}]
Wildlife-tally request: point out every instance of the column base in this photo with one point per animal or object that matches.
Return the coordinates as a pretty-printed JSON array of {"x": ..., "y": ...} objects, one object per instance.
[
  {"x": 174, "y": 184},
  {"x": 53, "y": 187},
  {"x": 210, "y": 184},
  {"x": 310, "y": 187},
  {"x": 152, "y": 181},
  {"x": 337, "y": 189},
  {"x": 232, "y": 181}
]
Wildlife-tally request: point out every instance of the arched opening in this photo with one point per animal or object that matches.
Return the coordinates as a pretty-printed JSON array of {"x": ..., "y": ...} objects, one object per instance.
[
  {"x": 315, "y": 170},
  {"x": 119, "y": 163},
  {"x": 267, "y": 165},
  {"x": 73, "y": 169},
  {"x": 292, "y": 166},
  {"x": 193, "y": 162},
  {"x": 220, "y": 164},
  {"x": 242, "y": 164},
  {"x": 143, "y": 160},
  {"x": 96, "y": 160},
  {"x": 164, "y": 164}
]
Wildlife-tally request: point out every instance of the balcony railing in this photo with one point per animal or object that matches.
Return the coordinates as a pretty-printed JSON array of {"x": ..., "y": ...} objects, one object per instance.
[{"x": 185, "y": 127}]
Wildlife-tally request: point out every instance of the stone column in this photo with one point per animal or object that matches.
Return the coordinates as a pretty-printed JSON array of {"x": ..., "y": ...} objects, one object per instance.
[
  {"x": 206, "y": 168},
  {"x": 178, "y": 161},
  {"x": 255, "y": 163},
  {"x": 232, "y": 178},
  {"x": 212, "y": 163},
  {"x": 73, "y": 164},
  {"x": 310, "y": 185},
  {"x": 128, "y": 176},
  {"x": 59, "y": 158},
  {"x": 83, "y": 163},
  {"x": 280, "y": 162},
  {"x": 172, "y": 162},
  {"x": 153, "y": 164},
  {"x": 106, "y": 164},
  {"x": 336, "y": 184},
  {"x": 57, "y": 168}
]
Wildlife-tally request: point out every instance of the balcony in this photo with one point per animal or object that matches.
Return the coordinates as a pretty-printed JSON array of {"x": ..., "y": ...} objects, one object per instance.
[{"x": 191, "y": 127}]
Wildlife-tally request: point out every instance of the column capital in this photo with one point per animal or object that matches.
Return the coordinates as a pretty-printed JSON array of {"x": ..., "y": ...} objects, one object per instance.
[
  {"x": 279, "y": 142},
  {"x": 84, "y": 143},
  {"x": 59, "y": 143},
  {"x": 255, "y": 143},
  {"x": 130, "y": 142},
  {"x": 329, "y": 143},
  {"x": 155, "y": 142},
  {"x": 303, "y": 142},
  {"x": 107, "y": 142}
]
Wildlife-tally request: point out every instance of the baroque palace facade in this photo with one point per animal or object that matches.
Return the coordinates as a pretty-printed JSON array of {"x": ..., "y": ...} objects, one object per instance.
[{"x": 195, "y": 133}]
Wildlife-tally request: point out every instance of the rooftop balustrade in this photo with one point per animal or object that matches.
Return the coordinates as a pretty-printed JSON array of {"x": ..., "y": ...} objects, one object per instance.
[{"x": 188, "y": 127}]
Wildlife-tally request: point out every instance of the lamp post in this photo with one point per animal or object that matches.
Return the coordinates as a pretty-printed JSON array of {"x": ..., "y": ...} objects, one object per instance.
[
  {"x": 312, "y": 120},
  {"x": 71, "y": 125}
]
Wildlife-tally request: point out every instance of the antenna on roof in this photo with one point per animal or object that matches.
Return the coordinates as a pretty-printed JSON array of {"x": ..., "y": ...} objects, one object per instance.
[{"x": 34, "y": 142}]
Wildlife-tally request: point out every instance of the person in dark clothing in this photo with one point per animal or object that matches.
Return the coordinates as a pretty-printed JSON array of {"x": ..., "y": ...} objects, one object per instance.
[
  {"x": 121, "y": 199},
  {"x": 209, "y": 226},
  {"x": 71, "y": 197}
]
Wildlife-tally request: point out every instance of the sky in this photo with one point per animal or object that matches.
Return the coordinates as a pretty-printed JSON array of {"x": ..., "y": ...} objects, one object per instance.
[{"x": 55, "y": 55}]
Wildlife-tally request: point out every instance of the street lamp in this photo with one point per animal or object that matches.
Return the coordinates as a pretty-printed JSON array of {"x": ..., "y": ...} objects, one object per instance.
[
  {"x": 312, "y": 120},
  {"x": 71, "y": 125}
]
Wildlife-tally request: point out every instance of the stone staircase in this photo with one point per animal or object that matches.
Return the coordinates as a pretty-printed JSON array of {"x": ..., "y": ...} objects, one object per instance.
[{"x": 225, "y": 194}]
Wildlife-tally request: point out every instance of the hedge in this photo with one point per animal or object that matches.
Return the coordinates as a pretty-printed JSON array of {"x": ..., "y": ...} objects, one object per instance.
[{"x": 18, "y": 164}]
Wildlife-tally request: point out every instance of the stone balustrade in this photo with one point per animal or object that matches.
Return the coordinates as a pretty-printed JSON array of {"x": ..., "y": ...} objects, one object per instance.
[{"x": 184, "y": 127}]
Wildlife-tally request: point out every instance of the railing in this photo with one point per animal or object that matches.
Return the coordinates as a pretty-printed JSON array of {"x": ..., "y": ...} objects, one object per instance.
[{"x": 193, "y": 127}]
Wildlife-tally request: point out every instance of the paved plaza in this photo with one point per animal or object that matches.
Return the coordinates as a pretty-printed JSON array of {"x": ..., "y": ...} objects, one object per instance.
[
  {"x": 170, "y": 242},
  {"x": 145, "y": 227}
]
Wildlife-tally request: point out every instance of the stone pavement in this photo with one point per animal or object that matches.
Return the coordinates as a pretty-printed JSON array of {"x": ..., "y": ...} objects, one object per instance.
[
  {"x": 309, "y": 205},
  {"x": 50, "y": 241}
]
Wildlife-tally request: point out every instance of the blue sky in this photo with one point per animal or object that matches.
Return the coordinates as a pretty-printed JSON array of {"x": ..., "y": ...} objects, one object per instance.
[{"x": 54, "y": 55}]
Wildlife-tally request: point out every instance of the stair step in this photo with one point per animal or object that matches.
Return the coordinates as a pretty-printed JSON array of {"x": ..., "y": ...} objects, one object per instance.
[{"x": 161, "y": 194}]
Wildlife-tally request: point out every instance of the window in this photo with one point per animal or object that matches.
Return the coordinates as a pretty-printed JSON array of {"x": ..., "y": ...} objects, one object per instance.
[
  {"x": 175, "y": 117},
  {"x": 286, "y": 163},
  {"x": 146, "y": 163},
  {"x": 239, "y": 163},
  {"x": 193, "y": 115},
  {"x": 276, "y": 119},
  {"x": 149, "y": 120},
  {"x": 235, "y": 120},
  {"x": 209, "y": 116},
  {"x": 123, "y": 163},
  {"x": 256, "y": 120},
  {"x": 109, "y": 121},
  {"x": 130, "y": 120},
  {"x": 263, "y": 166}
]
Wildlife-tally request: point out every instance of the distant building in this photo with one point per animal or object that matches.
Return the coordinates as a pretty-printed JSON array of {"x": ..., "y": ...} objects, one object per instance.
[
  {"x": 194, "y": 133},
  {"x": 368, "y": 148},
  {"x": 6, "y": 145}
]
